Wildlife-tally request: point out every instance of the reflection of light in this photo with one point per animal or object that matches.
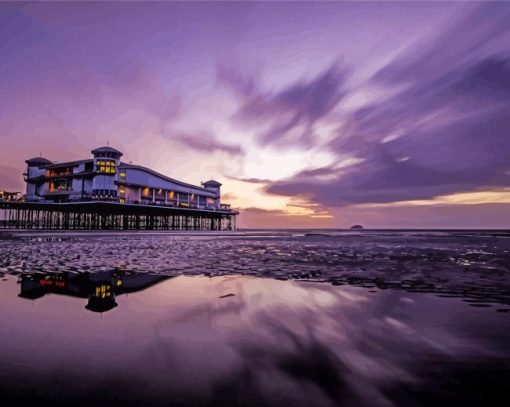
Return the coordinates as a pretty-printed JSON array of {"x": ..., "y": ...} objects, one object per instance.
[
  {"x": 52, "y": 281},
  {"x": 103, "y": 291}
]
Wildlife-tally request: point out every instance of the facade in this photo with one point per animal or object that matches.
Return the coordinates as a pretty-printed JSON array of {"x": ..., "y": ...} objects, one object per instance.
[{"x": 104, "y": 177}]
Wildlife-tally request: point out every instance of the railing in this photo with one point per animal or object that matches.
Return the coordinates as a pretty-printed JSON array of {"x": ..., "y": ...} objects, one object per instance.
[{"x": 147, "y": 200}]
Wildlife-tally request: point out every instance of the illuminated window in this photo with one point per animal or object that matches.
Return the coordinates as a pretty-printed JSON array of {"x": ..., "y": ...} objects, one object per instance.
[
  {"x": 122, "y": 190},
  {"x": 103, "y": 291},
  {"x": 122, "y": 174},
  {"x": 60, "y": 185},
  {"x": 59, "y": 172},
  {"x": 122, "y": 200},
  {"x": 105, "y": 166},
  {"x": 171, "y": 195}
]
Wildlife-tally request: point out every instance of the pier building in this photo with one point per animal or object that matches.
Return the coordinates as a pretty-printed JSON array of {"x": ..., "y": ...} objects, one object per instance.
[{"x": 104, "y": 192}]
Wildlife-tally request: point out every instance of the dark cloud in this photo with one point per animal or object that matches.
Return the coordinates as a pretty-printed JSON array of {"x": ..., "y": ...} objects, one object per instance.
[
  {"x": 250, "y": 180},
  {"x": 206, "y": 143},
  {"x": 239, "y": 82},
  {"x": 445, "y": 131},
  {"x": 299, "y": 106}
]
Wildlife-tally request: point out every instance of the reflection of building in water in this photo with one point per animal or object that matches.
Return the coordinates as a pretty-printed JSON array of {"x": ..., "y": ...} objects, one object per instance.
[{"x": 101, "y": 289}]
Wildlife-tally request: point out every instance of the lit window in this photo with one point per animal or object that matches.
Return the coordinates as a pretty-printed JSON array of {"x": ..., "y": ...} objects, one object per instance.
[
  {"x": 105, "y": 166},
  {"x": 122, "y": 174}
]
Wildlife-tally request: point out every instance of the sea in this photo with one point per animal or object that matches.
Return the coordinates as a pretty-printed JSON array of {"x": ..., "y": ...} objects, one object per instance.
[{"x": 255, "y": 318}]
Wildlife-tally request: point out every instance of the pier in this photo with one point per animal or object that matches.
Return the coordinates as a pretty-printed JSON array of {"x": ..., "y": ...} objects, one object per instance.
[{"x": 99, "y": 215}]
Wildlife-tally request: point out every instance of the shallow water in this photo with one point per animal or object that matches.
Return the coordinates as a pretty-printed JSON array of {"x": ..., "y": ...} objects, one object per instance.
[{"x": 255, "y": 319}]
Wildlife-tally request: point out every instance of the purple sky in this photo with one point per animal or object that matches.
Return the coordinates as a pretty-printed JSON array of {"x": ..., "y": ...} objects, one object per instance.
[{"x": 311, "y": 114}]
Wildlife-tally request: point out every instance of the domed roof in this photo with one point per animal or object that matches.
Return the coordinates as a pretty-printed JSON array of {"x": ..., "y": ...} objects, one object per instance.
[
  {"x": 211, "y": 184},
  {"x": 39, "y": 161},
  {"x": 106, "y": 149}
]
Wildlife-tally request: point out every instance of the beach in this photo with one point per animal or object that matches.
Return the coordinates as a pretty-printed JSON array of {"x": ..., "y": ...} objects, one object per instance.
[{"x": 327, "y": 318}]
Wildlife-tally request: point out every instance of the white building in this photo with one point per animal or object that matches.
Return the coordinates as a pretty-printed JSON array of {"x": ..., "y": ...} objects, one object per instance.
[{"x": 104, "y": 177}]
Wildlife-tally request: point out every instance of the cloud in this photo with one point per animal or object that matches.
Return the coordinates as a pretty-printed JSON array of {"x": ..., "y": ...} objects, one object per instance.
[
  {"x": 234, "y": 79},
  {"x": 446, "y": 131},
  {"x": 264, "y": 211},
  {"x": 290, "y": 114},
  {"x": 206, "y": 143},
  {"x": 228, "y": 196},
  {"x": 249, "y": 180}
]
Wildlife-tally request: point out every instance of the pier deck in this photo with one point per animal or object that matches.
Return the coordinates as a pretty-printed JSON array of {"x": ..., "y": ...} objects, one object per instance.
[{"x": 111, "y": 216}]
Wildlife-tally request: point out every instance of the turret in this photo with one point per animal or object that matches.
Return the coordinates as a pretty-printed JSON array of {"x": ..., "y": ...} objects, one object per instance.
[
  {"x": 36, "y": 167},
  {"x": 106, "y": 152},
  {"x": 214, "y": 187},
  {"x": 106, "y": 165}
]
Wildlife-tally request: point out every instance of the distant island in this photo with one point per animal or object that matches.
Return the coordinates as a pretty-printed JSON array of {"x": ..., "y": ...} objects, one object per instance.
[{"x": 356, "y": 227}]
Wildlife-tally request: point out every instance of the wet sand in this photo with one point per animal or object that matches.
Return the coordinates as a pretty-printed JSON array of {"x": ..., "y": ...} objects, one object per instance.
[
  {"x": 472, "y": 264},
  {"x": 303, "y": 319}
]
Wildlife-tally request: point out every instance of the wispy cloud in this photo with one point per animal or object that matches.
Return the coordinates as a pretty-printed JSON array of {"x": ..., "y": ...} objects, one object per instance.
[
  {"x": 445, "y": 132},
  {"x": 288, "y": 116},
  {"x": 205, "y": 143}
]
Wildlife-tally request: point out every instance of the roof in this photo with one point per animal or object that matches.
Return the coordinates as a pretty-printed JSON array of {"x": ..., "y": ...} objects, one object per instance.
[
  {"x": 157, "y": 174},
  {"x": 70, "y": 163},
  {"x": 211, "y": 183},
  {"x": 38, "y": 160},
  {"x": 106, "y": 149}
]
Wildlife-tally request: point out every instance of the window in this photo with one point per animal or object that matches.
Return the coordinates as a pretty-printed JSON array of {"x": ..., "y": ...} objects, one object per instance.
[
  {"x": 171, "y": 195},
  {"x": 105, "y": 166},
  {"x": 122, "y": 175},
  {"x": 122, "y": 200},
  {"x": 59, "y": 172},
  {"x": 60, "y": 185}
]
